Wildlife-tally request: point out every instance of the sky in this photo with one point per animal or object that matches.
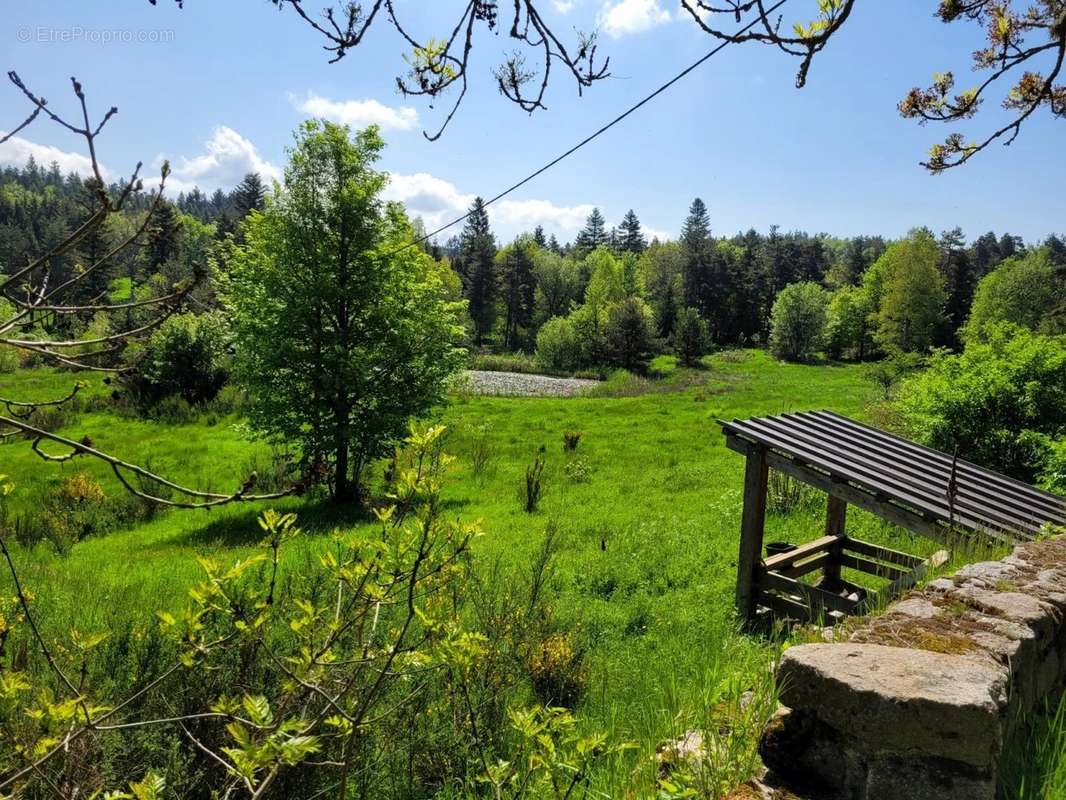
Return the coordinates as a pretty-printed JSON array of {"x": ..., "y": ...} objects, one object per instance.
[{"x": 219, "y": 86}]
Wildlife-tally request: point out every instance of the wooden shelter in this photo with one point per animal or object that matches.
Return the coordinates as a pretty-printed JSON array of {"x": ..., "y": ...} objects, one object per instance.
[{"x": 929, "y": 492}]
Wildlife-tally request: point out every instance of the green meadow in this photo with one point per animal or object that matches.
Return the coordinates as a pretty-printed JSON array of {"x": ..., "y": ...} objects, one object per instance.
[{"x": 646, "y": 510}]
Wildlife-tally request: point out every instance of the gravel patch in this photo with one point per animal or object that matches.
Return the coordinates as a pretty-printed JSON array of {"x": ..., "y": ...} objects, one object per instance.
[{"x": 518, "y": 384}]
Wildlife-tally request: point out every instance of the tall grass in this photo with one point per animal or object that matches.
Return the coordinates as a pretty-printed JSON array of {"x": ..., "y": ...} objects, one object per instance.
[{"x": 1035, "y": 768}]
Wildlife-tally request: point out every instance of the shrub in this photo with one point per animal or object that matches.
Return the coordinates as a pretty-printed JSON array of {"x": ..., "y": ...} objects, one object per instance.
[
  {"x": 186, "y": 357},
  {"x": 691, "y": 337},
  {"x": 482, "y": 450},
  {"x": 557, "y": 671},
  {"x": 798, "y": 322},
  {"x": 1001, "y": 401},
  {"x": 172, "y": 409},
  {"x": 534, "y": 484},
  {"x": 571, "y": 440},
  {"x": 630, "y": 344},
  {"x": 77, "y": 508},
  {"x": 558, "y": 346},
  {"x": 1054, "y": 476},
  {"x": 578, "y": 470},
  {"x": 503, "y": 362}
]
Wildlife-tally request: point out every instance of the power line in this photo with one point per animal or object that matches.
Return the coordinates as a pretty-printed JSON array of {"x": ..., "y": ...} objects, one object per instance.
[{"x": 603, "y": 129}]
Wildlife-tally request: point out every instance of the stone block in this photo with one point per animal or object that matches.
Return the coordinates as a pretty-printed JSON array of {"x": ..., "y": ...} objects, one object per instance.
[{"x": 891, "y": 700}]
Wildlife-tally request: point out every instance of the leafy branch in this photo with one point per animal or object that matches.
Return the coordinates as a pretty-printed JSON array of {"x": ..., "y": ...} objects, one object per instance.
[{"x": 34, "y": 295}]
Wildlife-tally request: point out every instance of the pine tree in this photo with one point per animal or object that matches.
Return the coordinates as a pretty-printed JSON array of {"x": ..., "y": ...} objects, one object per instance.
[
  {"x": 92, "y": 248},
  {"x": 515, "y": 265},
  {"x": 593, "y": 235},
  {"x": 539, "y": 238},
  {"x": 632, "y": 237},
  {"x": 219, "y": 203},
  {"x": 476, "y": 266},
  {"x": 250, "y": 195},
  {"x": 959, "y": 281},
  {"x": 698, "y": 247},
  {"x": 554, "y": 246},
  {"x": 1056, "y": 251},
  {"x": 162, "y": 240}
]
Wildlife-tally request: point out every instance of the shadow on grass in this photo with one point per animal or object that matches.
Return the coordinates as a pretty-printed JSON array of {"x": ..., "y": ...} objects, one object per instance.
[{"x": 315, "y": 516}]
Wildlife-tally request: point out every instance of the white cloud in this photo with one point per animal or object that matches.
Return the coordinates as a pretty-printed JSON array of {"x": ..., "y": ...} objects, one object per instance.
[
  {"x": 652, "y": 234},
  {"x": 434, "y": 199},
  {"x": 16, "y": 151},
  {"x": 563, "y": 6},
  {"x": 623, "y": 17},
  {"x": 228, "y": 157},
  {"x": 527, "y": 214},
  {"x": 438, "y": 201},
  {"x": 357, "y": 113}
]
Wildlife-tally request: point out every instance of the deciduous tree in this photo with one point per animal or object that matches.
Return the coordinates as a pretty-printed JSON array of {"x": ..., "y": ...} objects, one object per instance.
[{"x": 342, "y": 330}]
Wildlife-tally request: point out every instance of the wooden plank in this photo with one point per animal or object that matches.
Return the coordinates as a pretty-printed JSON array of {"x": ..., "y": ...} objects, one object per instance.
[
  {"x": 818, "y": 599},
  {"x": 871, "y": 567},
  {"x": 752, "y": 525},
  {"x": 820, "y": 545},
  {"x": 881, "y": 553},
  {"x": 806, "y": 567},
  {"x": 786, "y": 607}
]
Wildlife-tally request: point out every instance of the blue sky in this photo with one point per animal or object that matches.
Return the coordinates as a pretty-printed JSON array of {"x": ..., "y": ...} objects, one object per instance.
[{"x": 220, "y": 85}]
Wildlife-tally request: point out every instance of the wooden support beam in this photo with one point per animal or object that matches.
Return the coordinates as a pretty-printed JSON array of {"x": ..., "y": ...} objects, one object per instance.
[
  {"x": 751, "y": 530},
  {"x": 836, "y": 512}
]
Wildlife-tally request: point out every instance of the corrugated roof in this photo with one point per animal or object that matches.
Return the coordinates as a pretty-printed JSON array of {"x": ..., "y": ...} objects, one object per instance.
[{"x": 904, "y": 473}]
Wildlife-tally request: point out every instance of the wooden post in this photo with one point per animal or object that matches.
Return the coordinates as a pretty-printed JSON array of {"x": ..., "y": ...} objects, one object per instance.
[
  {"x": 835, "y": 523},
  {"x": 751, "y": 530}
]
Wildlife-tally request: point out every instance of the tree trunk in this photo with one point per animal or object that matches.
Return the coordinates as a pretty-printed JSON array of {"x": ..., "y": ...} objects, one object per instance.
[{"x": 343, "y": 489}]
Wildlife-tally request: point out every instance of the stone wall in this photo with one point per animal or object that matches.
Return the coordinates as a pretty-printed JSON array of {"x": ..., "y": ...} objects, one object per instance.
[{"x": 921, "y": 701}]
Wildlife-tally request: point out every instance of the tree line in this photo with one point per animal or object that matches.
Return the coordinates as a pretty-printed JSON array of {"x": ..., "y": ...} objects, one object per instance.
[{"x": 611, "y": 296}]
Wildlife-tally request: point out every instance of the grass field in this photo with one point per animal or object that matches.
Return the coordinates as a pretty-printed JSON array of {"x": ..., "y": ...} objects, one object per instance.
[{"x": 648, "y": 522}]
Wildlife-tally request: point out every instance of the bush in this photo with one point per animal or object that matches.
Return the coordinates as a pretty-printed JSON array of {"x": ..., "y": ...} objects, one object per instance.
[
  {"x": 571, "y": 439},
  {"x": 798, "y": 322},
  {"x": 691, "y": 337},
  {"x": 558, "y": 346},
  {"x": 503, "y": 362},
  {"x": 1054, "y": 476},
  {"x": 187, "y": 357},
  {"x": 630, "y": 344},
  {"x": 578, "y": 470},
  {"x": 1001, "y": 401},
  {"x": 557, "y": 671}
]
